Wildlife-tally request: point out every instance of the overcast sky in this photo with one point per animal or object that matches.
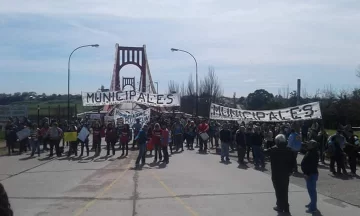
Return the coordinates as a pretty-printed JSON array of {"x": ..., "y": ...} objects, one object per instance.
[{"x": 251, "y": 44}]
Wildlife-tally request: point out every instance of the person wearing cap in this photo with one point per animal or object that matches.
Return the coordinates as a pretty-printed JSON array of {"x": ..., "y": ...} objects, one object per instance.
[
  {"x": 281, "y": 159},
  {"x": 309, "y": 167}
]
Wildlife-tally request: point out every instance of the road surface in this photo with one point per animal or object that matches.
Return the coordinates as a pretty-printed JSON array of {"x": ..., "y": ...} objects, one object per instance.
[{"x": 191, "y": 184}]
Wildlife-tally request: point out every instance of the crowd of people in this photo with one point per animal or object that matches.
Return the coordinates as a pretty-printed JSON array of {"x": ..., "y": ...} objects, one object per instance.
[{"x": 281, "y": 142}]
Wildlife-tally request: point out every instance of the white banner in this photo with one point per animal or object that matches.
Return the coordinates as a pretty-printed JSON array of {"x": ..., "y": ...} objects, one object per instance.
[
  {"x": 130, "y": 116},
  {"x": 298, "y": 113},
  {"x": 84, "y": 132},
  {"x": 117, "y": 97}
]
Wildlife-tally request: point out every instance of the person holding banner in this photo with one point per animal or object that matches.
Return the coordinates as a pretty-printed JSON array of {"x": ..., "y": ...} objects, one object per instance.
[
  {"x": 85, "y": 142},
  {"x": 24, "y": 138}
]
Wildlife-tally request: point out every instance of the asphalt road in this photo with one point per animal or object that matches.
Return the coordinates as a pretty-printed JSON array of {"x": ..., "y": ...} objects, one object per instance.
[
  {"x": 191, "y": 184},
  {"x": 342, "y": 188}
]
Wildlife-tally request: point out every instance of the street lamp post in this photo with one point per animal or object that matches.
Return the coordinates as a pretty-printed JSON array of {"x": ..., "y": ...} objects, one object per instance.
[
  {"x": 157, "y": 87},
  {"x": 196, "y": 70},
  {"x": 68, "y": 96}
]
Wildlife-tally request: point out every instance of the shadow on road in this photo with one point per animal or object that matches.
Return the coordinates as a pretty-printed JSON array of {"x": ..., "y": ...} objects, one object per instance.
[
  {"x": 46, "y": 158},
  {"x": 26, "y": 158},
  {"x": 243, "y": 166}
]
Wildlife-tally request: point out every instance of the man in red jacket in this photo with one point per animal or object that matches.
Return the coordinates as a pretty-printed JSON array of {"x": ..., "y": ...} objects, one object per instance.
[{"x": 203, "y": 128}]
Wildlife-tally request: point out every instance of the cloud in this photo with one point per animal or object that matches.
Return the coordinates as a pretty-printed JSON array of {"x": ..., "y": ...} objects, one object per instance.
[
  {"x": 246, "y": 41},
  {"x": 249, "y": 80}
]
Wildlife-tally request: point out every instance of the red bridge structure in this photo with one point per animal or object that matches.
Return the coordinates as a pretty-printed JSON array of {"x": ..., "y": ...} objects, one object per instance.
[{"x": 131, "y": 56}]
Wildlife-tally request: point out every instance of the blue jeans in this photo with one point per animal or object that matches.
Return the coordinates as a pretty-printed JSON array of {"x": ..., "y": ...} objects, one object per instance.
[
  {"x": 258, "y": 156},
  {"x": 311, "y": 187},
  {"x": 141, "y": 156},
  {"x": 35, "y": 146},
  {"x": 224, "y": 150}
]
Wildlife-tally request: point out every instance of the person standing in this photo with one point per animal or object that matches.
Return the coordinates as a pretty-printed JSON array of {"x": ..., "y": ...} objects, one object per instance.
[
  {"x": 177, "y": 133},
  {"x": 165, "y": 143},
  {"x": 136, "y": 127},
  {"x": 10, "y": 136},
  {"x": 309, "y": 167},
  {"x": 96, "y": 130},
  {"x": 43, "y": 139},
  {"x": 141, "y": 139},
  {"x": 336, "y": 146},
  {"x": 191, "y": 133},
  {"x": 5, "y": 207},
  {"x": 257, "y": 140},
  {"x": 55, "y": 134},
  {"x": 124, "y": 139},
  {"x": 281, "y": 159},
  {"x": 241, "y": 144},
  {"x": 156, "y": 140},
  {"x": 353, "y": 149},
  {"x": 225, "y": 138},
  {"x": 322, "y": 140},
  {"x": 84, "y": 143},
  {"x": 294, "y": 143},
  {"x": 203, "y": 128},
  {"x": 248, "y": 140},
  {"x": 34, "y": 140},
  {"x": 110, "y": 138},
  {"x": 73, "y": 145}
]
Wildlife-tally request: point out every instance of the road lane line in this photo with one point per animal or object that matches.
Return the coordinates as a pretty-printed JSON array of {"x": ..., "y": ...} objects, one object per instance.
[
  {"x": 173, "y": 194},
  {"x": 106, "y": 189}
]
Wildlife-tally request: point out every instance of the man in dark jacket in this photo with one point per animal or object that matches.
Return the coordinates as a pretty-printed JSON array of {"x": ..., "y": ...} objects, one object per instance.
[
  {"x": 225, "y": 138},
  {"x": 281, "y": 168},
  {"x": 10, "y": 136},
  {"x": 309, "y": 166},
  {"x": 241, "y": 144}
]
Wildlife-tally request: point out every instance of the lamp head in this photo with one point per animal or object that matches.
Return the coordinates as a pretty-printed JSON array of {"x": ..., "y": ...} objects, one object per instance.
[
  {"x": 95, "y": 45},
  {"x": 173, "y": 49}
]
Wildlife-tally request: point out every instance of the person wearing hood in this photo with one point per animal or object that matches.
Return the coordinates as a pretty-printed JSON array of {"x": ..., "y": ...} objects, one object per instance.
[{"x": 309, "y": 167}]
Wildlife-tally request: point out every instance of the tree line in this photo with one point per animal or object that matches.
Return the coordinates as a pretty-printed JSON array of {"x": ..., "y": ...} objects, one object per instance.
[{"x": 337, "y": 107}]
